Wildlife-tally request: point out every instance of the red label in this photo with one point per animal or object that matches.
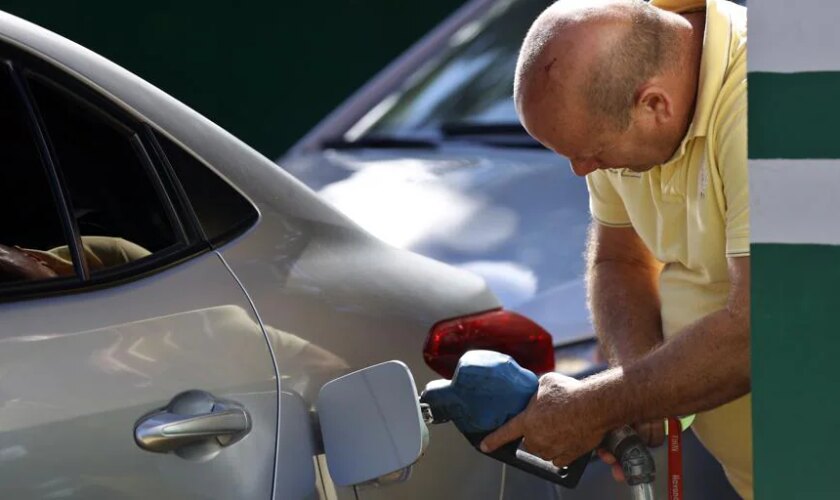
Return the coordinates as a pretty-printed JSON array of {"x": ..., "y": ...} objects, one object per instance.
[{"x": 675, "y": 484}]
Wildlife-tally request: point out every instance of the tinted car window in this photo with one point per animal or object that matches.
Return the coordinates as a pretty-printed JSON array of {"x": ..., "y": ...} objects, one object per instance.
[
  {"x": 120, "y": 210},
  {"x": 469, "y": 83},
  {"x": 221, "y": 210},
  {"x": 30, "y": 226}
]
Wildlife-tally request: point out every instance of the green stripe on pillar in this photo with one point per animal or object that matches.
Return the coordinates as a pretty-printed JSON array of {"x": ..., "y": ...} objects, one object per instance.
[
  {"x": 794, "y": 115},
  {"x": 796, "y": 370}
]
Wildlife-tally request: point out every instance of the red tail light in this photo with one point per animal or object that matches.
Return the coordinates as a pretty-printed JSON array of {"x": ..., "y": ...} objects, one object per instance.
[{"x": 503, "y": 331}]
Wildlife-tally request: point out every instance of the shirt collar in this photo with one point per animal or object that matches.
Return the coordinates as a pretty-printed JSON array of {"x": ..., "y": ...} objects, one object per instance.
[{"x": 713, "y": 63}]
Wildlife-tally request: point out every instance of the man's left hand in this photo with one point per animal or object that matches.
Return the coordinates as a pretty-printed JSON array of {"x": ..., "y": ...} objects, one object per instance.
[{"x": 558, "y": 424}]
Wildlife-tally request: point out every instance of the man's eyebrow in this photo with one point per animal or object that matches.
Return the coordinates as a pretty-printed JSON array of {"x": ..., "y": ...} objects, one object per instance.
[{"x": 548, "y": 66}]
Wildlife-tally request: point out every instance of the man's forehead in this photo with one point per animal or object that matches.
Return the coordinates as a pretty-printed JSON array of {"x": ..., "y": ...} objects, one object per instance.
[
  {"x": 563, "y": 128},
  {"x": 561, "y": 111}
]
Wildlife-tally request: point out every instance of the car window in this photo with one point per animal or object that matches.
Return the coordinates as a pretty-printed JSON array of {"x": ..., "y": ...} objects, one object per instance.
[
  {"x": 30, "y": 227},
  {"x": 471, "y": 82},
  {"x": 119, "y": 209},
  {"x": 222, "y": 212}
]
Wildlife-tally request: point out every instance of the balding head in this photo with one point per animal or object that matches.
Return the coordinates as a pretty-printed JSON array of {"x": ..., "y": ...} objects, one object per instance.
[
  {"x": 586, "y": 60},
  {"x": 608, "y": 48}
]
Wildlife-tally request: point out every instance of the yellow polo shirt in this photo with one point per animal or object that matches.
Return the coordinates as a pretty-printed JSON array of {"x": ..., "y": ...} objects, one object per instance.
[{"x": 693, "y": 212}]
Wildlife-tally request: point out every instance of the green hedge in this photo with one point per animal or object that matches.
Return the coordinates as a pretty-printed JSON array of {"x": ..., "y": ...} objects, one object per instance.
[{"x": 265, "y": 70}]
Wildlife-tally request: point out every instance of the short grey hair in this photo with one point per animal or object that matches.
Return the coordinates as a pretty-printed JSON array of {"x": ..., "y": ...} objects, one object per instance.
[{"x": 642, "y": 53}]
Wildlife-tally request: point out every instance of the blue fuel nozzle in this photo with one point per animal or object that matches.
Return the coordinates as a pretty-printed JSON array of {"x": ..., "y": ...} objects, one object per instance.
[{"x": 488, "y": 389}]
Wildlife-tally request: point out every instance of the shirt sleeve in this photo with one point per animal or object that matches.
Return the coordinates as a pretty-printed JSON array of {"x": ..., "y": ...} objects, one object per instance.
[
  {"x": 605, "y": 204},
  {"x": 732, "y": 162}
]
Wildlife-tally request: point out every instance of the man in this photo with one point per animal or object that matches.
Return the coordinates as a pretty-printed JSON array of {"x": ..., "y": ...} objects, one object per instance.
[{"x": 650, "y": 106}]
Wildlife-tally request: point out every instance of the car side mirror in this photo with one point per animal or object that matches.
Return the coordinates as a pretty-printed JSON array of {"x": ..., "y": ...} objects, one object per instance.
[{"x": 371, "y": 424}]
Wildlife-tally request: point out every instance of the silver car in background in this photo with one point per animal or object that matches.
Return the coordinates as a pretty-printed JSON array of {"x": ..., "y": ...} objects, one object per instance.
[{"x": 429, "y": 156}]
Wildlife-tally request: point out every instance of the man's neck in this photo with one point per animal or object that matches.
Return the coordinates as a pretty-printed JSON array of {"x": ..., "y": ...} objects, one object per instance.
[
  {"x": 693, "y": 55},
  {"x": 690, "y": 29}
]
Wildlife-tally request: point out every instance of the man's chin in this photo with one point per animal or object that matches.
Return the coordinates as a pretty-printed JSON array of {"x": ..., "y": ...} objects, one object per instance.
[
  {"x": 633, "y": 168},
  {"x": 640, "y": 168}
]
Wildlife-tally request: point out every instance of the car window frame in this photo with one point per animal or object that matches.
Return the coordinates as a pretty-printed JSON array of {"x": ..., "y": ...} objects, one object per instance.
[
  {"x": 182, "y": 199},
  {"x": 232, "y": 232},
  {"x": 191, "y": 241}
]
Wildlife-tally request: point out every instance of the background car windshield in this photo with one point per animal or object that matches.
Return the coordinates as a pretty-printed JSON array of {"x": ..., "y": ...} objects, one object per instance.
[{"x": 470, "y": 83}]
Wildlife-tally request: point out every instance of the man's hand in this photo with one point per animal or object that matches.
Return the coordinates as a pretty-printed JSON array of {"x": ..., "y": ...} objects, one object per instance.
[
  {"x": 651, "y": 433},
  {"x": 558, "y": 425}
]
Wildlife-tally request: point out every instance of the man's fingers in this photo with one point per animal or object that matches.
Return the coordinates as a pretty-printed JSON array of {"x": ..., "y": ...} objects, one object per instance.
[
  {"x": 609, "y": 459},
  {"x": 504, "y": 434},
  {"x": 651, "y": 433},
  {"x": 617, "y": 473},
  {"x": 606, "y": 456}
]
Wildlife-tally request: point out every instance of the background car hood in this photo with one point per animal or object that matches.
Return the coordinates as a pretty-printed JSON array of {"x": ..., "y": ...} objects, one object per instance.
[{"x": 517, "y": 217}]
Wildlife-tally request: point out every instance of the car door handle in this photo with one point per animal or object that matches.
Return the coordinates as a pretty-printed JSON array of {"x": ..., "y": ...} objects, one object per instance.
[{"x": 190, "y": 418}]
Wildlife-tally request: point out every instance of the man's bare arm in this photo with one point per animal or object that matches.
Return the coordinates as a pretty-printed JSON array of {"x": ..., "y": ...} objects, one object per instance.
[
  {"x": 622, "y": 291},
  {"x": 623, "y": 294},
  {"x": 705, "y": 366}
]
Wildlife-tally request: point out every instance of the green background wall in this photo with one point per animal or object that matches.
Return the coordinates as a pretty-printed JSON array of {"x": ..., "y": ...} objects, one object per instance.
[
  {"x": 267, "y": 71},
  {"x": 794, "y": 105}
]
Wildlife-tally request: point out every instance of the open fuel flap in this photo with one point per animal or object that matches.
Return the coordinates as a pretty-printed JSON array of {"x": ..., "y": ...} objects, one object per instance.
[{"x": 371, "y": 424}]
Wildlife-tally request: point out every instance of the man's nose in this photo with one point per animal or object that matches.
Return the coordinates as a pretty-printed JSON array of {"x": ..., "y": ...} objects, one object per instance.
[{"x": 584, "y": 167}]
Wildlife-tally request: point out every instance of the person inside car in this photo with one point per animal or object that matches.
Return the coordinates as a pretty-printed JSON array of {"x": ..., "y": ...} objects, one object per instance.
[{"x": 100, "y": 252}]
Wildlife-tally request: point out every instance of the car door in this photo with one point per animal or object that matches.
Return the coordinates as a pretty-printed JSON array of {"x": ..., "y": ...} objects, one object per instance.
[{"x": 132, "y": 364}]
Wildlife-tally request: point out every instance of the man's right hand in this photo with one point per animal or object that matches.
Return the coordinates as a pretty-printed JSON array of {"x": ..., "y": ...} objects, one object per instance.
[{"x": 651, "y": 433}]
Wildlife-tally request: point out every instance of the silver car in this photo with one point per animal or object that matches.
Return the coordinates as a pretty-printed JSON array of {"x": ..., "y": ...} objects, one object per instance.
[
  {"x": 430, "y": 157},
  {"x": 172, "y": 302}
]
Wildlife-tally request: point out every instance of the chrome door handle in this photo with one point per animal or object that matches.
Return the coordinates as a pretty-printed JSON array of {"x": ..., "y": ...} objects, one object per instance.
[{"x": 190, "y": 418}]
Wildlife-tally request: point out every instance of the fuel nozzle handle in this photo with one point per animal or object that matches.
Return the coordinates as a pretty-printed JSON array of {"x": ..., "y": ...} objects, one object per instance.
[
  {"x": 488, "y": 389},
  {"x": 635, "y": 458}
]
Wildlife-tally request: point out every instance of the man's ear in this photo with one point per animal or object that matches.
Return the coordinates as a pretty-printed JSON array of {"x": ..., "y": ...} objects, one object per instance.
[{"x": 653, "y": 104}]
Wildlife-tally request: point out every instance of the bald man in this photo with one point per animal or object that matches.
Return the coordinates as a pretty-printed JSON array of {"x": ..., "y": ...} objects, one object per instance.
[{"x": 650, "y": 105}]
